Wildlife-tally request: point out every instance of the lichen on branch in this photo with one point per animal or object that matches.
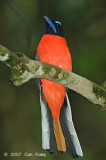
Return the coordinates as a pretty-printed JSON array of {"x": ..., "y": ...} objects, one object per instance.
[{"x": 23, "y": 69}]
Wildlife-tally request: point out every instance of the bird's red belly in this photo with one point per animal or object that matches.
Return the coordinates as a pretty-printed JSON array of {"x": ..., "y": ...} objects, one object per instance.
[{"x": 53, "y": 49}]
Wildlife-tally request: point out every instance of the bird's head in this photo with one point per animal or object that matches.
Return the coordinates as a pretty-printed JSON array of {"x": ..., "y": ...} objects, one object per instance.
[{"x": 53, "y": 27}]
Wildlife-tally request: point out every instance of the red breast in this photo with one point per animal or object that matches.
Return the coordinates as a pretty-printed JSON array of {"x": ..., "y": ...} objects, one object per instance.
[{"x": 53, "y": 49}]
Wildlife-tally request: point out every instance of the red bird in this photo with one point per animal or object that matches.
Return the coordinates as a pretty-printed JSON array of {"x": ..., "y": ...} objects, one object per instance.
[{"x": 55, "y": 107}]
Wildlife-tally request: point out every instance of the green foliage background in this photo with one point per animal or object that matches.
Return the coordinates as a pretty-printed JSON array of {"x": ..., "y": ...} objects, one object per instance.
[{"x": 21, "y": 28}]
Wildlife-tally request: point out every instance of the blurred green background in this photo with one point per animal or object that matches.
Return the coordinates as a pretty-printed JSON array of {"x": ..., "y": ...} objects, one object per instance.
[{"x": 21, "y": 28}]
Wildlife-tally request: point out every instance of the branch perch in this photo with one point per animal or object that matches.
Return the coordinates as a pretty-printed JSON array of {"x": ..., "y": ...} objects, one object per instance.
[{"x": 23, "y": 69}]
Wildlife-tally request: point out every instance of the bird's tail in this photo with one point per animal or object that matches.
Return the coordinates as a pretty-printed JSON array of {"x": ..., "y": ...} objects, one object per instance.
[
  {"x": 72, "y": 143},
  {"x": 61, "y": 145},
  {"x": 63, "y": 129},
  {"x": 65, "y": 133}
]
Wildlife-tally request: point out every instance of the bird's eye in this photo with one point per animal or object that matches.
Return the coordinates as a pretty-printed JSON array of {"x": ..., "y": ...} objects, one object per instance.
[{"x": 58, "y": 23}]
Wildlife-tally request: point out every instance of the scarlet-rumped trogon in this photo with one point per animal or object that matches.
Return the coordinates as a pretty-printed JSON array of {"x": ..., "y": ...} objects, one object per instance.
[{"x": 55, "y": 106}]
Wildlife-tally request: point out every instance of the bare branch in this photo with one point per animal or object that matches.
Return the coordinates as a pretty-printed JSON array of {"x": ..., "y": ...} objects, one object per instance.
[{"x": 24, "y": 69}]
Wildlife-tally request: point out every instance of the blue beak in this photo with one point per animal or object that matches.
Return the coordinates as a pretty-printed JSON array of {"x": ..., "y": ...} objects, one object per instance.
[{"x": 50, "y": 23}]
